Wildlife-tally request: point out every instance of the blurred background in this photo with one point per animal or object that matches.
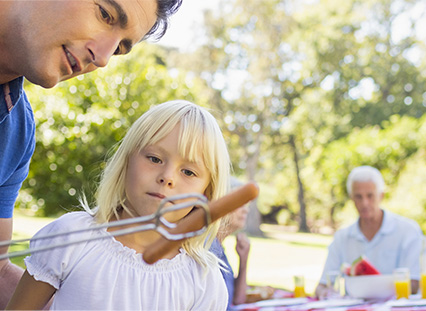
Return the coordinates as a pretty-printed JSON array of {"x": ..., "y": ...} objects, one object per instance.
[{"x": 304, "y": 91}]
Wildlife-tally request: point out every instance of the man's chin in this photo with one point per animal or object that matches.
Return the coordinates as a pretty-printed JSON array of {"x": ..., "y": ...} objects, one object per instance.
[
  {"x": 45, "y": 83},
  {"x": 67, "y": 77}
]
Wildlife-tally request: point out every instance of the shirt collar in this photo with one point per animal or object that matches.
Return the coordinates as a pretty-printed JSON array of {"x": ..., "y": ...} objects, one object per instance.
[
  {"x": 388, "y": 225},
  {"x": 10, "y": 93}
]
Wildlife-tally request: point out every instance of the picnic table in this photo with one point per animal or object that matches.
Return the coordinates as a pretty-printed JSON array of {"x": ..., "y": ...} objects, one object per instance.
[{"x": 283, "y": 301}]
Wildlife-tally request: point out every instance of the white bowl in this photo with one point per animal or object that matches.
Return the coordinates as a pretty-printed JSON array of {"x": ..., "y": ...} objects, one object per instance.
[{"x": 370, "y": 286}]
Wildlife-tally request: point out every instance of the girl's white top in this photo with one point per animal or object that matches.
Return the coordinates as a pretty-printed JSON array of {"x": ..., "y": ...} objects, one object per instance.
[{"x": 105, "y": 275}]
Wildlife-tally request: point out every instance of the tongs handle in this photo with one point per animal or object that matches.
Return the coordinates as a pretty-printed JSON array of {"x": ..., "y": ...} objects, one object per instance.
[{"x": 196, "y": 219}]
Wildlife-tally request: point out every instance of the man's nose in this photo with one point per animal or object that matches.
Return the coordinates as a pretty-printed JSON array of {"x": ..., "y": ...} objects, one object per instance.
[
  {"x": 364, "y": 201},
  {"x": 102, "y": 49}
]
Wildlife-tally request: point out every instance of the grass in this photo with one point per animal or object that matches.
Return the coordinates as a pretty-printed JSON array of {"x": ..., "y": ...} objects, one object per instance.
[
  {"x": 273, "y": 260},
  {"x": 25, "y": 226},
  {"x": 276, "y": 259}
]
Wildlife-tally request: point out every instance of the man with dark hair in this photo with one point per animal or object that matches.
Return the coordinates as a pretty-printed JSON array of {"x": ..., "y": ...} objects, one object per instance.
[{"x": 47, "y": 42}]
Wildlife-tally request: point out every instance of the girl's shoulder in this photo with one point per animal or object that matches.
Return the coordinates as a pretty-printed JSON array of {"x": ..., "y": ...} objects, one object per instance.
[
  {"x": 82, "y": 217},
  {"x": 64, "y": 229},
  {"x": 70, "y": 221},
  {"x": 58, "y": 246}
]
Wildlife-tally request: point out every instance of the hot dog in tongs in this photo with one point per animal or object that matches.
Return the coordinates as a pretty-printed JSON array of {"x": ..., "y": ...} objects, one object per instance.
[{"x": 197, "y": 219}]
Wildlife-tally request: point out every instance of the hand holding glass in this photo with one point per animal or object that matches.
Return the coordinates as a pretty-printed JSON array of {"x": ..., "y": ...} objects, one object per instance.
[{"x": 333, "y": 284}]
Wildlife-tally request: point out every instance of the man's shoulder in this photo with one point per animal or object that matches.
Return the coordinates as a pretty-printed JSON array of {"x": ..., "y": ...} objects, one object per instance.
[
  {"x": 346, "y": 231},
  {"x": 348, "y": 227},
  {"x": 403, "y": 223}
]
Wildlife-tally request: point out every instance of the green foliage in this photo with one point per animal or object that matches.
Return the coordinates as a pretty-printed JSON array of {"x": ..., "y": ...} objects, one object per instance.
[
  {"x": 338, "y": 81},
  {"x": 303, "y": 90},
  {"x": 388, "y": 149},
  {"x": 407, "y": 197},
  {"x": 79, "y": 122}
]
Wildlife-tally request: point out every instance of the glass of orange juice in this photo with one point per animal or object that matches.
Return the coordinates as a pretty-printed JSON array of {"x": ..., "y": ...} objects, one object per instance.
[
  {"x": 402, "y": 283},
  {"x": 423, "y": 284},
  {"x": 299, "y": 286},
  {"x": 423, "y": 269}
]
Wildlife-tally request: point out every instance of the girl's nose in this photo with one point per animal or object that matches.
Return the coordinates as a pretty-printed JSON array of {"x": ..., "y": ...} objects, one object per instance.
[
  {"x": 169, "y": 182},
  {"x": 166, "y": 179}
]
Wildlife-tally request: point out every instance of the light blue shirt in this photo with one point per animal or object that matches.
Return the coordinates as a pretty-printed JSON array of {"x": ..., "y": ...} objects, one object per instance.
[{"x": 397, "y": 244}]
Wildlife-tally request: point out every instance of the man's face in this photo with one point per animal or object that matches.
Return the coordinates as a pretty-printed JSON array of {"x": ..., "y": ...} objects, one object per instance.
[
  {"x": 58, "y": 40},
  {"x": 367, "y": 199}
]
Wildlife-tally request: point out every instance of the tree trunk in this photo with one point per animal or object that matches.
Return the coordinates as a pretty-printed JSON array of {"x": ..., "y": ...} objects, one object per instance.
[
  {"x": 303, "y": 226},
  {"x": 254, "y": 218}
]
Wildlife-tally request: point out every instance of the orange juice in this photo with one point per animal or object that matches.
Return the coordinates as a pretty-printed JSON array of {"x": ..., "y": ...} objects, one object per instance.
[
  {"x": 299, "y": 291},
  {"x": 299, "y": 286},
  {"x": 423, "y": 286},
  {"x": 402, "y": 289}
]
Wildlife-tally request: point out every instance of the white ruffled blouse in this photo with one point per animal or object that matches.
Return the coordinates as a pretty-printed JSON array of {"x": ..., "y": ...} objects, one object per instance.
[{"x": 105, "y": 275}]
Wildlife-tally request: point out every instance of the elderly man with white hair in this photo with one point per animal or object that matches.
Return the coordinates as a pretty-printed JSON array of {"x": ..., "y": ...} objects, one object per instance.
[{"x": 389, "y": 241}]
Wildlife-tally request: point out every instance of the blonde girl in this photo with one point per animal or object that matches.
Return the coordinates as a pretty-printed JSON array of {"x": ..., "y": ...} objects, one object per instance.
[{"x": 174, "y": 148}]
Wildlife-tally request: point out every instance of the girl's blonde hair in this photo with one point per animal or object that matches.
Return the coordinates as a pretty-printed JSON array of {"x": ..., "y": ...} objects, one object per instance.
[{"x": 200, "y": 139}]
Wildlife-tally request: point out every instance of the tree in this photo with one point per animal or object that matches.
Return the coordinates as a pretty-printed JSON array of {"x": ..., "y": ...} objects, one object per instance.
[
  {"x": 389, "y": 149},
  {"x": 291, "y": 77},
  {"x": 81, "y": 120}
]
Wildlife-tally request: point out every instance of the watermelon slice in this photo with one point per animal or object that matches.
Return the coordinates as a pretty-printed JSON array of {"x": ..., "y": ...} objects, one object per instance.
[
  {"x": 345, "y": 269},
  {"x": 361, "y": 266}
]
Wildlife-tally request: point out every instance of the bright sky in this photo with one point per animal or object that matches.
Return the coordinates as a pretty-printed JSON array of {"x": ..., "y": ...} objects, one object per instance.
[
  {"x": 186, "y": 33},
  {"x": 186, "y": 24}
]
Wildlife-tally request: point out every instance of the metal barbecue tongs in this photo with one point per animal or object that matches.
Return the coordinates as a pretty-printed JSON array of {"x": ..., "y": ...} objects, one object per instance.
[
  {"x": 173, "y": 234},
  {"x": 155, "y": 221}
]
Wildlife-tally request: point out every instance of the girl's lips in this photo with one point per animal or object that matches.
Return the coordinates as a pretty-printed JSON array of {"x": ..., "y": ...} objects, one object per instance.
[{"x": 158, "y": 195}]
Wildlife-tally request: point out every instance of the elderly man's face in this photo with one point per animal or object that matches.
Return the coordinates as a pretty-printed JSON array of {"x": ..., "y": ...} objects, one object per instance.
[{"x": 367, "y": 199}]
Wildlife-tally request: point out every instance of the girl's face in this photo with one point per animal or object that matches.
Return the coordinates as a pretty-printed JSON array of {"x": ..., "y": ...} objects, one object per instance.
[{"x": 159, "y": 171}]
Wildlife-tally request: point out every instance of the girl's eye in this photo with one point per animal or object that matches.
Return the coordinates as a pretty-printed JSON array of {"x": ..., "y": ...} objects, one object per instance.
[
  {"x": 105, "y": 15},
  {"x": 154, "y": 159},
  {"x": 188, "y": 172}
]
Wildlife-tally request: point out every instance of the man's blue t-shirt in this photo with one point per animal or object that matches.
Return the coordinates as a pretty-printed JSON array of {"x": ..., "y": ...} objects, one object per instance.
[{"x": 17, "y": 142}]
